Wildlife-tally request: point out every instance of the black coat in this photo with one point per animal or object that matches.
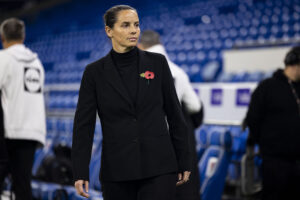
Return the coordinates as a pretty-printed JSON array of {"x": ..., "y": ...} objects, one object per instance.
[
  {"x": 274, "y": 119},
  {"x": 138, "y": 141}
]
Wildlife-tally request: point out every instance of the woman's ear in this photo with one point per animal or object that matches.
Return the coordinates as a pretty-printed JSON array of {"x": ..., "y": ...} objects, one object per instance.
[{"x": 108, "y": 31}]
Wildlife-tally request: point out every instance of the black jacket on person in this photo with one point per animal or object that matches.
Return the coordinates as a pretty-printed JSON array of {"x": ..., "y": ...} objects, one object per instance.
[
  {"x": 191, "y": 189},
  {"x": 138, "y": 141},
  {"x": 274, "y": 119}
]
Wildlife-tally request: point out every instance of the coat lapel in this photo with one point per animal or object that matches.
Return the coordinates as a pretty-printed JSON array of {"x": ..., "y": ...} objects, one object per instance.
[
  {"x": 143, "y": 83},
  {"x": 113, "y": 78}
]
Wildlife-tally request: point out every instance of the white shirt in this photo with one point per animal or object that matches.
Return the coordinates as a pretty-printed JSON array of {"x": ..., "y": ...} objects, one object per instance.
[
  {"x": 22, "y": 84},
  {"x": 184, "y": 89}
]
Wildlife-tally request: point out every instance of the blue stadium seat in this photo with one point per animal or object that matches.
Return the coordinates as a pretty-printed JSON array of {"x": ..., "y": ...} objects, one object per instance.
[
  {"x": 201, "y": 138},
  {"x": 44, "y": 191},
  {"x": 255, "y": 76},
  {"x": 214, "y": 164},
  {"x": 72, "y": 195}
]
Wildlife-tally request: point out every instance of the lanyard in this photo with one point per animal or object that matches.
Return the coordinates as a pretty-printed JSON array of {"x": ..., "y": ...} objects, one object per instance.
[{"x": 295, "y": 94}]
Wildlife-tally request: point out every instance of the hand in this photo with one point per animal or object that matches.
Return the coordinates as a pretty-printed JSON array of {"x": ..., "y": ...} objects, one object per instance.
[
  {"x": 250, "y": 151},
  {"x": 183, "y": 178},
  {"x": 79, "y": 188}
]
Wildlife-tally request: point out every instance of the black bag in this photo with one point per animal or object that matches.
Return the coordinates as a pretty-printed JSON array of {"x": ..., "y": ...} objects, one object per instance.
[
  {"x": 57, "y": 168},
  {"x": 60, "y": 194},
  {"x": 251, "y": 182}
]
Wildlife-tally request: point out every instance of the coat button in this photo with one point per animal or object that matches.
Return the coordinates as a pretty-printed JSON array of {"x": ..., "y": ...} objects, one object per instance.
[{"x": 136, "y": 140}]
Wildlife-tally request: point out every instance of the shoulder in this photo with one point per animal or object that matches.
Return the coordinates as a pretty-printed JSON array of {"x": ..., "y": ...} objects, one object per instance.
[
  {"x": 4, "y": 56},
  {"x": 267, "y": 83},
  {"x": 152, "y": 55},
  {"x": 92, "y": 67},
  {"x": 178, "y": 71},
  {"x": 96, "y": 63},
  {"x": 264, "y": 87},
  {"x": 6, "y": 59}
]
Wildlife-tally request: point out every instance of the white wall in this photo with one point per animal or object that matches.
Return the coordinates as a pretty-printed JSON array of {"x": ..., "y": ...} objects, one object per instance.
[
  {"x": 263, "y": 59},
  {"x": 229, "y": 105}
]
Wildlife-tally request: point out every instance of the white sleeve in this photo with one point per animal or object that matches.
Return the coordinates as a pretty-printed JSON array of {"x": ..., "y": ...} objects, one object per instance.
[
  {"x": 189, "y": 98},
  {"x": 42, "y": 73},
  {"x": 4, "y": 70}
]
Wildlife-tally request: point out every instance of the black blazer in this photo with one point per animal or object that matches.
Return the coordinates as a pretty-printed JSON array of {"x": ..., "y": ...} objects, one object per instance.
[{"x": 138, "y": 141}]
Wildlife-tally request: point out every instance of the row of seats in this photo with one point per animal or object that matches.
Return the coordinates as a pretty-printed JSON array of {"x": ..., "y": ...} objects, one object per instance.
[
  {"x": 195, "y": 34},
  {"x": 237, "y": 149},
  {"x": 256, "y": 76},
  {"x": 59, "y": 131},
  {"x": 49, "y": 191},
  {"x": 62, "y": 100}
]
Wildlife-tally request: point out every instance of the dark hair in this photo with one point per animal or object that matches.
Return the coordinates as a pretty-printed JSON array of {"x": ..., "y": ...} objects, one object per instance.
[
  {"x": 110, "y": 16},
  {"x": 149, "y": 38},
  {"x": 12, "y": 29},
  {"x": 292, "y": 57}
]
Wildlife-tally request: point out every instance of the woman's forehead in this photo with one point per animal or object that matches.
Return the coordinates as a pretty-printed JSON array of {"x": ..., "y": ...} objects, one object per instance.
[{"x": 127, "y": 16}]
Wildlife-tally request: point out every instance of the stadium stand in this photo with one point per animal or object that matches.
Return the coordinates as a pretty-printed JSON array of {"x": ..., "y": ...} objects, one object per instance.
[{"x": 195, "y": 33}]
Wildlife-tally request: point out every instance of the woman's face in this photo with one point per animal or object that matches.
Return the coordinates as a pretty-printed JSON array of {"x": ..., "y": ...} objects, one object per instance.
[
  {"x": 125, "y": 32},
  {"x": 298, "y": 72}
]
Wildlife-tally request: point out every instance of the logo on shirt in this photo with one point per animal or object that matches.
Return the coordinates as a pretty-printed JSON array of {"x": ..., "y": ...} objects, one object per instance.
[
  {"x": 216, "y": 97},
  {"x": 243, "y": 97},
  {"x": 32, "y": 80}
]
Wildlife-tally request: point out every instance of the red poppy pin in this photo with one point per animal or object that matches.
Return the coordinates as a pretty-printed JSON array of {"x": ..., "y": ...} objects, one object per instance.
[{"x": 147, "y": 75}]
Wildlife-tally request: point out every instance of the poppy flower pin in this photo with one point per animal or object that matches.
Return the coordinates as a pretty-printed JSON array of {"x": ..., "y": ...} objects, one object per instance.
[{"x": 147, "y": 75}]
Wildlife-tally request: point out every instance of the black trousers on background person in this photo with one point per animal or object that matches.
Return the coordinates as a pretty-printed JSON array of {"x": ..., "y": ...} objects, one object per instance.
[
  {"x": 3, "y": 151},
  {"x": 281, "y": 179},
  {"x": 20, "y": 160},
  {"x": 154, "y": 188}
]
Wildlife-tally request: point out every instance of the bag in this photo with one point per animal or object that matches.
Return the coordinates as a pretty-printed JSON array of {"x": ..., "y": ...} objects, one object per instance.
[
  {"x": 57, "y": 168},
  {"x": 60, "y": 194},
  {"x": 251, "y": 182}
]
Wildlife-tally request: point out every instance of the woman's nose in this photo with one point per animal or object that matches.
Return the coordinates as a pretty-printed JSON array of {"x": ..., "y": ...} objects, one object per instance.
[{"x": 133, "y": 29}]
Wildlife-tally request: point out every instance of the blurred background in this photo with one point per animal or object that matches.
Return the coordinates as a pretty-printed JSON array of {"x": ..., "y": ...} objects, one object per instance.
[{"x": 225, "y": 46}]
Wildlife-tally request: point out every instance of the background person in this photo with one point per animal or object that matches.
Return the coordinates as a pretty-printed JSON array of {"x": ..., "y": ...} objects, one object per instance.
[
  {"x": 22, "y": 85},
  {"x": 274, "y": 122},
  {"x": 150, "y": 41}
]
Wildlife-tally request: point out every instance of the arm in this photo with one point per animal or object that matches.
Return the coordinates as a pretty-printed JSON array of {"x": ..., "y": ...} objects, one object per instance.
[
  {"x": 83, "y": 131},
  {"x": 255, "y": 114},
  {"x": 190, "y": 98},
  {"x": 175, "y": 118},
  {"x": 5, "y": 70}
]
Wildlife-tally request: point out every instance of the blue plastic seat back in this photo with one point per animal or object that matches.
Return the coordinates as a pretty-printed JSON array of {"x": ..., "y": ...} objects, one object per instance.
[{"x": 214, "y": 164}]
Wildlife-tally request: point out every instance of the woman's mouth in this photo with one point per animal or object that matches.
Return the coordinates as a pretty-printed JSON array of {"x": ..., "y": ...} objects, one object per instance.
[{"x": 132, "y": 39}]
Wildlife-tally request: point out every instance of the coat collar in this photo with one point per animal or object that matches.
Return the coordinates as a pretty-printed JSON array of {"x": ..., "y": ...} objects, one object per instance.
[{"x": 114, "y": 79}]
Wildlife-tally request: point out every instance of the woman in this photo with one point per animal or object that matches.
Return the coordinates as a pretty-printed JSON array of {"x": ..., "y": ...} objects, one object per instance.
[{"x": 143, "y": 155}]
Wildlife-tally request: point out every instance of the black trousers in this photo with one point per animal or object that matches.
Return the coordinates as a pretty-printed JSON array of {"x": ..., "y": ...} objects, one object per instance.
[
  {"x": 155, "y": 188},
  {"x": 20, "y": 160},
  {"x": 281, "y": 179}
]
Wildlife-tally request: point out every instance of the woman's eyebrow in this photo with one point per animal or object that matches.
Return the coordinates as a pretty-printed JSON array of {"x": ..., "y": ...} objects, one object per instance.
[{"x": 128, "y": 22}]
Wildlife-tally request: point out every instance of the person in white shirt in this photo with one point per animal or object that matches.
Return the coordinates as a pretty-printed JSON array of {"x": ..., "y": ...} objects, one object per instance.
[
  {"x": 21, "y": 85},
  {"x": 192, "y": 107},
  {"x": 150, "y": 41}
]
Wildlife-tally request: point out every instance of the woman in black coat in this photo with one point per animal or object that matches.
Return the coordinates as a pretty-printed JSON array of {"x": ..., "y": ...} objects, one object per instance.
[{"x": 145, "y": 148}]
